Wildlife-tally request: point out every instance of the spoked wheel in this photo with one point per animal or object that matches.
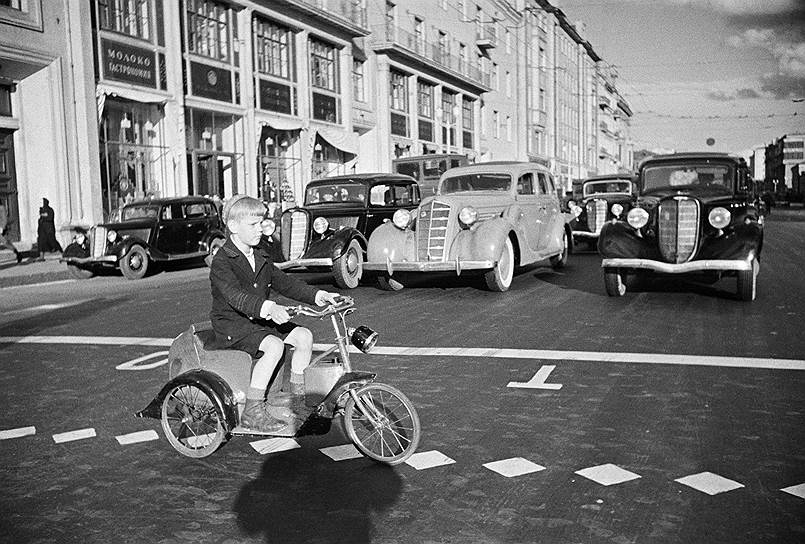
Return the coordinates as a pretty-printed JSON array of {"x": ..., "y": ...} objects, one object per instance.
[
  {"x": 192, "y": 423},
  {"x": 383, "y": 424},
  {"x": 134, "y": 264}
]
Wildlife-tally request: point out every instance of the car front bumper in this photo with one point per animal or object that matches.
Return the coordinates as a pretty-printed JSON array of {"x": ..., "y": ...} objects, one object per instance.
[
  {"x": 586, "y": 234},
  {"x": 305, "y": 263},
  {"x": 104, "y": 259},
  {"x": 681, "y": 268},
  {"x": 456, "y": 266}
]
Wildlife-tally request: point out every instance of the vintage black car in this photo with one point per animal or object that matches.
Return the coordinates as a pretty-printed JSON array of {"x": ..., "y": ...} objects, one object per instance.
[
  {"x": 602, "y": 199},
  {"x": 695, "y": 214},
  {"x": 339, "y": 214},
  {"x": 159, "y": 229}
]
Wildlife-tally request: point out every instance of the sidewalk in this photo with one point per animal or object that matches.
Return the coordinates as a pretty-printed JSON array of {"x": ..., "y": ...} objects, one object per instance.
[{"x": 28, "y": 271}]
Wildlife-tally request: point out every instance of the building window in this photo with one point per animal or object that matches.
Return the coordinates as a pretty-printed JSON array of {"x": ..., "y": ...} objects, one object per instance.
[
  {"x": 508, "y": 41},
  {"x": 358, "y": 80},
  {"x": 495, "y": 76},
  {"x": 208, "y": 28},
  {"x": 22, "y": 13},
  {"x": 448, "y": 118},
  {"x": 496, "y": 124},
  {"x": 467, "y": 123},
  {"x": 419, "y": 35},
  {"x": 273, "y": 49},
  {"x": 425, "y": 110},
  {"x": 443, "y": 48},
  {"x": 398, "y": 88},
  {"x": 509, "y": 128},
  {"x": 324, "y": 80},
  {"x": 130, "y": 17},
  {"x": 508, "y": 84}
]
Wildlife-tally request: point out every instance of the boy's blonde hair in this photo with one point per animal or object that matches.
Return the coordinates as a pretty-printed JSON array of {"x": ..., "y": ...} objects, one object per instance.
[{"x": 240, "y": 206}]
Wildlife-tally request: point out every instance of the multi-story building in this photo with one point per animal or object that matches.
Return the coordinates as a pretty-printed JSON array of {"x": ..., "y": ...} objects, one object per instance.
[
  {"x": 615, "y": 155},
  {"x": 781, "y": 157},
  {"x": 757, "y": 162},
  {"x": 106, "y": 101}
]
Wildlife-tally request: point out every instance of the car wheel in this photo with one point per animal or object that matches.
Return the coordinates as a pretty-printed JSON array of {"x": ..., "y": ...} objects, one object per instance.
[
  {"x": 387, "y": 283},
  {"x": 747, "y": 282},
  {"x": 79, "y": 273},
  {"x": 134, "y": 263},
  {"x": 348, "y": 268},
  {"x": 500, "y": 278},
  {"x": 615, "y": 282},
  {"x": 215, "y": 245},
  {"x": 559, "y": 261}
]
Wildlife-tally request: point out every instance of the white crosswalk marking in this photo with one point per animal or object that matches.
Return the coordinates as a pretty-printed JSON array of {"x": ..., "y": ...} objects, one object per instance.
[
  {"x": 709, "y": 483},
  {"x": 70, "y": 436},
  {"x": 607, "y": 474}
]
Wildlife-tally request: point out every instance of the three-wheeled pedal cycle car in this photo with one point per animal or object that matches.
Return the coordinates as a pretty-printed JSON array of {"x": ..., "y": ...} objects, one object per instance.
[{"x": 200, "y": 406}]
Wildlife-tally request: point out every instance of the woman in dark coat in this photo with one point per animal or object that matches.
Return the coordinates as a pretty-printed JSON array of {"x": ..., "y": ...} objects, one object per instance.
[{"x": 46, "y": 232}]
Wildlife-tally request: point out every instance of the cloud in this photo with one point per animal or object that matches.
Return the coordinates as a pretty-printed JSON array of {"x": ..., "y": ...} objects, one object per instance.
[
  {"x": 720, "y": 96},
  {"x": 740, "y": 94},
  {"x": 747, "y": 93},
  {"x": 788, "y": 81},
  {"x": 747, "y": 7},
  {"x": 783, "y": 86}
]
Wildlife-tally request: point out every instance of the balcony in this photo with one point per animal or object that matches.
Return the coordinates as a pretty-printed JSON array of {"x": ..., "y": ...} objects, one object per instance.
[
  {"x": 346, "y": 15},
  {"x": 398, "y": 42},
  {"x": 486, "y": 37}
]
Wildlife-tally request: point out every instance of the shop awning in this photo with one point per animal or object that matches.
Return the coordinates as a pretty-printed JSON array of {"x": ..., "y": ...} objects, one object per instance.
[
  {"x": 346, "y": 141},
  {"x": 143, "y": 97},
  {"x": 281, "y": 123}
]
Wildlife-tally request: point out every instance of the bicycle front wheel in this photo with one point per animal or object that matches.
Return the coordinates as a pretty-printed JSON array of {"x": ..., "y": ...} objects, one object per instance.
[{"x": 383, "y": 423}]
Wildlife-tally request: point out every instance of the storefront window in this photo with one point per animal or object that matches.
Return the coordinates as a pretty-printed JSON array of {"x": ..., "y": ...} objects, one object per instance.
[
  {"x": 279, "y": 166},
  {"x": 425, "y": 110},
  {"x": 324, "y": 76},
  {"x": 134, "y": 161},
  {"x": 398, "y": 88},
  {"x": 214, "y": 152},
  {"x": 467, "y": 122},
  {"x": 448, "y": 118},
  {"x": 274, "y": 67},
  {"x": 208, "y": 28},
  {"x": 328, "y": 160}
]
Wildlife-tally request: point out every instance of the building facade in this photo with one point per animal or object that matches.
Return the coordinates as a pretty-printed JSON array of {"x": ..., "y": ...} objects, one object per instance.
[
  {"x": 782, "y": 158},
  {"x": 615, "y": 153},
  {"x": 134, "y": 98}
]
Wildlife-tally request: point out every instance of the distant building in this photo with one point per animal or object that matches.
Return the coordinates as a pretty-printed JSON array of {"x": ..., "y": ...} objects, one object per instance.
[
  {"x": 615, "y": 154},
  {"x": 781, "y": 155}
]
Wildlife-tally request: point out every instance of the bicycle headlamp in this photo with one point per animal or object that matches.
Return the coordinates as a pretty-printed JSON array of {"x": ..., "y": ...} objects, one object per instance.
[
  {"x": 363, "y": 338},
  {"x": 320, "y": 225}
]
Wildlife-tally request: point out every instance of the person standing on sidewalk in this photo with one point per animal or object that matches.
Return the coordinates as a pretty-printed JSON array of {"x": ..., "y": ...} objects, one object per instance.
[
  {"x": 46, "y": 232},
  {"x": 5, "y": 242}
]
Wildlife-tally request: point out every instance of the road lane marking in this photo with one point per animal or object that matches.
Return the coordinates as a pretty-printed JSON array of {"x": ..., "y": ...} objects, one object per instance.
[
  {"x": 538, "y": 381},
  {"x": 516, "y": 466},
  {"x": 429, "y": 459},
  {"x": 796, "y": 490},
  {"x": 496, "y": 353},
  {"x": 17, "y": 433},
  {"x": 709, "y": 483},
  {"x": 134, "y": 364},
  {"x": 342, "y": 453},
  {"x": 69, "y": 436},
  {"x": 47, "y": 307},
  {"x": 608, "y": 474},
  {"x": 139, "y": 436},
  {"x": 274, "y": 445}
]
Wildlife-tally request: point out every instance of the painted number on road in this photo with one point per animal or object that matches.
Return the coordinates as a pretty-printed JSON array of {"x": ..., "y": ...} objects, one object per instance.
[{"x": 139, "y": 362}]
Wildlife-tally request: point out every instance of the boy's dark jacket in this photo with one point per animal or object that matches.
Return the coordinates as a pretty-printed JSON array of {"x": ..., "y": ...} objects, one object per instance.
[{"x": 238, "y": 292}]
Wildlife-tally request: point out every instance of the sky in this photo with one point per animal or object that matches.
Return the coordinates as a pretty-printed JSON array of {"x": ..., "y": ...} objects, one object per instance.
[{"x": 694, "y": 70}]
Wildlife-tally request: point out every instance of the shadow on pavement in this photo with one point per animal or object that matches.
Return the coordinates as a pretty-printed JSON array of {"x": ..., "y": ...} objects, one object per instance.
[
  {"x": 303, "y": 496},
  {"x": 35, "y": 322}
]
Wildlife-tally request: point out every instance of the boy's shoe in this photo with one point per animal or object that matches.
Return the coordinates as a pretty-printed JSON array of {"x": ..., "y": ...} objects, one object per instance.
[
  {"x": 256, "y": 418},
  {"x": 278, "y": 412}
]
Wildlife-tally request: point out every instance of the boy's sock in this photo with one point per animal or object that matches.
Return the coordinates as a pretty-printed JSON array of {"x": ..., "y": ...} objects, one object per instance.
[
  {"x": 256, "y": 393},
  {"x": 297, "y": 383}
]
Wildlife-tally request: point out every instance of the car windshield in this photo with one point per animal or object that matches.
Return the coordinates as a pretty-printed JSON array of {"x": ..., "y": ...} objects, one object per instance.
[
  {"x": 712, "y": 177},
  {"x": 409, "y": 169},
  {"x": 337, "y": 192},
  {"x": 131, "y": 213},
  {"x": 476, "y": 182},
  {"x": 607, "y": 186}
]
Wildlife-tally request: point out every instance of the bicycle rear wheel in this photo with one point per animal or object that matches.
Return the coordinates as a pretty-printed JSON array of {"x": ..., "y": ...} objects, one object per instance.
[
  {"x": 383, "y": 424},
  {"x": 191, "y": 421}
]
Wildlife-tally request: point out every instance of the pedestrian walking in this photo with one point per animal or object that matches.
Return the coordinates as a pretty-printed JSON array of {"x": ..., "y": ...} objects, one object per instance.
[
  {"x": 46, "y": 232},
  {"x": 4, "y": 221}
]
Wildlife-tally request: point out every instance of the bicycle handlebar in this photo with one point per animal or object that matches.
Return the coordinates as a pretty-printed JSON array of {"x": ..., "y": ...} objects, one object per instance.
[{"x": 343, "y": 303}]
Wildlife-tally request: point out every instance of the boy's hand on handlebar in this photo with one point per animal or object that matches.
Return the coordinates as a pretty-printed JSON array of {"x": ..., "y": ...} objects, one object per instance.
[
  {"x": 273, "y": 311},
  {"x": 323, "y": 297}
]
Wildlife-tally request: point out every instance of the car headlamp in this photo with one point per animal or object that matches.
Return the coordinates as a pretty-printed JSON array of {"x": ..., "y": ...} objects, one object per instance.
[
  {"x": 268, "y": 226},
  {"x": 80, "y": 239},
  {"x": 575, "y": 209},
  {"x": 111, "y": 236},
  {"x": 719, "y": 217},
  {"x": 320, "y": 225},
  {"x": 468, "y": 216},
  {"x": 363, "y": 338},
  {"x": 401, "y": 218},
  {"x": 617, "y": 209},
  {"x": 637, "y": 218}
]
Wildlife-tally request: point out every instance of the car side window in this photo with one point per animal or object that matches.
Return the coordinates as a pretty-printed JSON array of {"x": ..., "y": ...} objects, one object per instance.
[
  {"x": 543, "y": 183},
  {"x": 551, "y": 186},
  {"x": 172, "y": 211},
  {"x": 194, "y": 210},
  {"x": 525, "y": 185},
  {"x": 381, "y": 195}
]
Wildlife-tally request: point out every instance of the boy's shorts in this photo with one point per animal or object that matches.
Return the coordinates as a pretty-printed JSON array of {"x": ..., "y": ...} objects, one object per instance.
[{"x": 251, "y": 343}]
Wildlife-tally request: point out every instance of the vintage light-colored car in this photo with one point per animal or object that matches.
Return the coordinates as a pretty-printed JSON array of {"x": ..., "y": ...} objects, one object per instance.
[{"x": 489, "y": 217}]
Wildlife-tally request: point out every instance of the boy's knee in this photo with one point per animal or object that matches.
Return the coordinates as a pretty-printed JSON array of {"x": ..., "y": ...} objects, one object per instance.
[
  {"x": 271, "y": 345},
  {"x": 302, "y": 338}
]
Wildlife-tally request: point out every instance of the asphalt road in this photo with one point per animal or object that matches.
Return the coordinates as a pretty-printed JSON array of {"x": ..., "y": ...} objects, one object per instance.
[{"x": 638, "y": 394}]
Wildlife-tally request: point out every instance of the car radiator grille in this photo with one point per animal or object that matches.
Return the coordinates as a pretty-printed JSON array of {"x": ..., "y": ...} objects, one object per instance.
[
  {"x": 294, "y": 233},
  {"x": 596, "y": 214},
  {"x": 97, "y": 241},
  {"x": 431, "y": 231},
  {"x": 678, "y": 229}
]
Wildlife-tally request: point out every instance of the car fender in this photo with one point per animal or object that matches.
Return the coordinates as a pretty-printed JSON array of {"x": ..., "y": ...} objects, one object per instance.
[
  {"x": 335, "y": 243},
  {"x": 119, "y": 249},
  {"x": 212, "y": 384},
  {"x": 388, "y": 242},
  {"x": 484, "y": 241},
  {"x": 211, "y": 235}
]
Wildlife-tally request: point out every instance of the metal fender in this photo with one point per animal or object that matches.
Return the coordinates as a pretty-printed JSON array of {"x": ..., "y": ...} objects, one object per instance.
[
  {"x": 209, "y": 237},
  {"x": 344, "y": 237},
  {"x": 212, "y": 384},
  {"x": 121, "y": 248},
  {"x": 387, "y": 242},
  {"x": 483, "y": 242}
]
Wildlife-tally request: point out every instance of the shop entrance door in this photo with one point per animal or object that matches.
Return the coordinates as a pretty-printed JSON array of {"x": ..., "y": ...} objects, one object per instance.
[
  {"x": 8, "y": 184},
  {"x": 212, "y": 173}
]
